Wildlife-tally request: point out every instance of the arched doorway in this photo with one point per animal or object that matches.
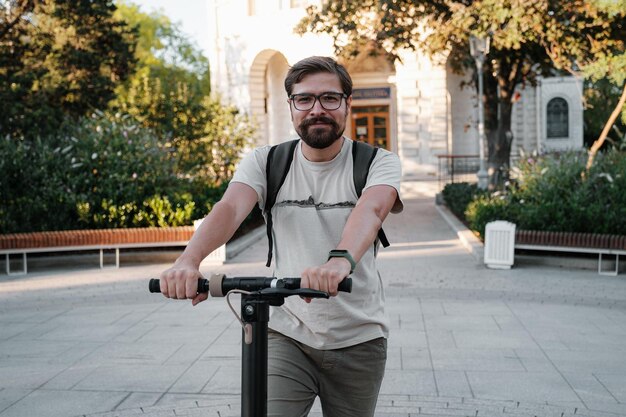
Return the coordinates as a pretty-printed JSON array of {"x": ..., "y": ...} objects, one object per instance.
[{"x": 268, "y": 100}]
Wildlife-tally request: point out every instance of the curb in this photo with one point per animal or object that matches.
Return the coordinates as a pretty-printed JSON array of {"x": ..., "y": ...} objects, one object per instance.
[
  {"x": 473, "y": 245},
  {"x": 237, "y": 246}
]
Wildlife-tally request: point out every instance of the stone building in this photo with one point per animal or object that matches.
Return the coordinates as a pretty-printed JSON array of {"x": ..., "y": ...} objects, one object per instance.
[{"x": 415, "y": 108}]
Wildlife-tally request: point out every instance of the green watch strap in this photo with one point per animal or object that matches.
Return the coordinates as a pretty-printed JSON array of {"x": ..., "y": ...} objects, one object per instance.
[{"x": 342, "y": 253}]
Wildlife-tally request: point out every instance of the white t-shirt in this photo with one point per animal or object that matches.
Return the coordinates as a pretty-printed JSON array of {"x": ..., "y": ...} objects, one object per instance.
[{"x": 309, "y": 215}]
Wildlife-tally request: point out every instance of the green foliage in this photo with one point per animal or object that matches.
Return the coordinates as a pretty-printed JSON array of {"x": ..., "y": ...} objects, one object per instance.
[
  {"x": 105, "y": 171},
  {"x": 35, "y": 191},
  {"x": 113, "y": 156},
  {"x": 59, "y": 59},
  {"x": 458, "y": 195},
  {"x": 156, "y": 211},
  {"x": 169, "y": 93},
  {"x": 211, "y": 158},
  {"x": 164, "y": 158},
  {"x": 549, "y": 193},
  {"x": 487, "y": 208},
  {"x": 601, "y": 97}
]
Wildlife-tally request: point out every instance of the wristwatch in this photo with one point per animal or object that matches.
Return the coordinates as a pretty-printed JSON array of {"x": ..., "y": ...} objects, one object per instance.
[{"x": 342, "y": 253}]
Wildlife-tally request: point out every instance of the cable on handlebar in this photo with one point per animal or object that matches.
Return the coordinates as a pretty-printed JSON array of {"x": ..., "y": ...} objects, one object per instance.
[{"x": 247, "y": 327}]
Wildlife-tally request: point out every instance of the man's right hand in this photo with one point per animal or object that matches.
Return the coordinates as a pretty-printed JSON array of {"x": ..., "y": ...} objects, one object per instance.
[{"x": 180, "y": 282}]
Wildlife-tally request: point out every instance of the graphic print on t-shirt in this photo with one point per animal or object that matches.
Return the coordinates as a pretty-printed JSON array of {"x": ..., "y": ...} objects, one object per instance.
[{"x": 310, "y": 202}]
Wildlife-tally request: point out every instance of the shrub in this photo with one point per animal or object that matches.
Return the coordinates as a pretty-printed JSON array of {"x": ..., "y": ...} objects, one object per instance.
[
  {"x": 550, "y": 192},
  {"x": 554, "y": 195},
  {"x": 457, "y": 197},
  {"x": 114, "y": 159},
  {"x": 35, "y": 191},
  {"x": 486, "y": 208},
  {"x": 105, "y": 171},
  {"x": 155, "y": 211}
]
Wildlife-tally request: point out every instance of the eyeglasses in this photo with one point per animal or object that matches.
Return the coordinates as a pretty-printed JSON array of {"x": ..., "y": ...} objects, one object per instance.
[{"x": 306, "y": 101}]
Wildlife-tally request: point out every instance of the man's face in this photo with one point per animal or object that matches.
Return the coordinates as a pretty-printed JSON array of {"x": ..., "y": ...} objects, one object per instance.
[{"x": 319, "y": 127}]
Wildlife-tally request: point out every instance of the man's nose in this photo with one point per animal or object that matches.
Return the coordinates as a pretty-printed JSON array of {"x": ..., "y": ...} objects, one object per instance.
[{"x": 317, "y": 108}]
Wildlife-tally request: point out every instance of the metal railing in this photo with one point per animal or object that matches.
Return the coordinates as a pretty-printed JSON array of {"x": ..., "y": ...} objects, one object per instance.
[{"x": 457, "y": 168}]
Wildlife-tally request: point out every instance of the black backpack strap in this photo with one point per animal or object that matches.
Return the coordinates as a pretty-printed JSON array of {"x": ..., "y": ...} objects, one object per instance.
[
  {"x": 363, "y": 155},
  {"x": 279, "y": 161}
]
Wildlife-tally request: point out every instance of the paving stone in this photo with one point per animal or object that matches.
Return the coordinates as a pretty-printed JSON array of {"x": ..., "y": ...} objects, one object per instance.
[
  {"x": 464, "y": 359},
  {"x": 615, "y": 383},
  {"x": 19, "y": 376},
  {"x": 63, "y": 403},
  {"x": 144, "y": 378},
  {"x": 9, "y": 396},
  {"x": 137, "y": 400}
]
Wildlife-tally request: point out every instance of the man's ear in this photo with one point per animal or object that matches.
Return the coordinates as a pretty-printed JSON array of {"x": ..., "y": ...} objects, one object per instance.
[{"x": 348, "y": 105}]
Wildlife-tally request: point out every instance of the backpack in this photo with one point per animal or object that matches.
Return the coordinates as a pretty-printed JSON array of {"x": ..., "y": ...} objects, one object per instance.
[{"x": 278, "y": 164}]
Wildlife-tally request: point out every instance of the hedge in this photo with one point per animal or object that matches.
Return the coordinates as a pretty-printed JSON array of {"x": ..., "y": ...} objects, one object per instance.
[{"x": 549, "y": 192}]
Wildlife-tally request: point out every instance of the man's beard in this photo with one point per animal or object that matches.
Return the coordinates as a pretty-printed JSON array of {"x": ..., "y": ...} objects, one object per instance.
[{"x": 320, "y": 137}]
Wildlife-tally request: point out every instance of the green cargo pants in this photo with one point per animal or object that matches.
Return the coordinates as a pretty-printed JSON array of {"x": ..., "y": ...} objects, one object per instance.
[{"x": 346, "y": 380}]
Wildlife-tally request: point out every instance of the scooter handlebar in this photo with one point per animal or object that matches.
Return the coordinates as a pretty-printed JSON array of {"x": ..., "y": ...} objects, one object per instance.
[{"x": 219, "y": 285}]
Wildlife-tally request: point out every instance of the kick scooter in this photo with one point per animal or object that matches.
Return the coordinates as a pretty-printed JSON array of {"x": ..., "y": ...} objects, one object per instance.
[{"x": 257, "y": 295}]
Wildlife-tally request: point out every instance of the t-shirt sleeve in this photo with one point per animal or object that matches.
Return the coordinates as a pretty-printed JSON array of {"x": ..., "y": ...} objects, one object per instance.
[
  {"x": 386, "y": 170},
  {"x": 251, "y": 171}
]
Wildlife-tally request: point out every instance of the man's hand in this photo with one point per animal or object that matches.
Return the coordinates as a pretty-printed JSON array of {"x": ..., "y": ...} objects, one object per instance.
[
  {"x": 325, "y": 277},
  {"x": 180, "y": 282}
]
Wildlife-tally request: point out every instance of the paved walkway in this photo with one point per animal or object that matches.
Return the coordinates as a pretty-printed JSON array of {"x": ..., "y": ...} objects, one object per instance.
[{"x": 465, "y": 340}]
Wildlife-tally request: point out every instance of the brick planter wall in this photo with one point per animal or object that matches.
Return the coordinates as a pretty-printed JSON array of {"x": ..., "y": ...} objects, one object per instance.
[
  {"x": 570, "y": 239},
  {"x": 95, "y": 237}
]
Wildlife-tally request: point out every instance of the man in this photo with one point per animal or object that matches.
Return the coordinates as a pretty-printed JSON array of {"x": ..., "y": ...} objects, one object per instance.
[{"x": 335, "y": 349}]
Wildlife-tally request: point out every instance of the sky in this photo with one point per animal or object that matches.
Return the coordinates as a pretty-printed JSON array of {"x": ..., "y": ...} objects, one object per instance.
[{"x": 192, "y": 15}]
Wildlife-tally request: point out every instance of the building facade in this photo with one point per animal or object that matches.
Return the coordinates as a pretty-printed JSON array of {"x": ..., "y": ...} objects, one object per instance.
[{"x": 415, "y": 108}]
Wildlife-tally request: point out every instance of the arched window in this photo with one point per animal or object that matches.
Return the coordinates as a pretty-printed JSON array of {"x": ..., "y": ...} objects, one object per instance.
[{"x": 557, "y": 119}]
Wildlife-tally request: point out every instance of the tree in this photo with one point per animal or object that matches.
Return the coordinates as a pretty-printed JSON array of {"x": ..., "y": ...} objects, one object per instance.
[
  {"x": 601, "y": 97},
  {"x": 58, "y": 60},
  {"x": 609, "y": 64},
  {"x": 528, "y": 39},
  {"x": 170, "y": 94},
  {"x": 171, "y": 80}
]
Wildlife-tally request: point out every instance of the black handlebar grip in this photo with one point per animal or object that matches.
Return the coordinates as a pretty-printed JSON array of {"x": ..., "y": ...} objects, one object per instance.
[
  {"x": 294, "y": 284},
  {"x": 345, "y": 285},
  {"x": 155, "y": 285}
]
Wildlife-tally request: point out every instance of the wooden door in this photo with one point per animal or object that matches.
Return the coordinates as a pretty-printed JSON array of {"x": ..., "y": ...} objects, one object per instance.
[{"x": 371, "y": 124}]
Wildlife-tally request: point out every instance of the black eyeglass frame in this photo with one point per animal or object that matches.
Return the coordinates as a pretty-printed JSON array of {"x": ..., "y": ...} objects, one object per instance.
[{"x": 317, "y": 98}]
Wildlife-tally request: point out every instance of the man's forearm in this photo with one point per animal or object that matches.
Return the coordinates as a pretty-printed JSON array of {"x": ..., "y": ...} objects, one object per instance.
[
  {"x": 360, "y": 231},
  {"x": 366, "y": 219}
]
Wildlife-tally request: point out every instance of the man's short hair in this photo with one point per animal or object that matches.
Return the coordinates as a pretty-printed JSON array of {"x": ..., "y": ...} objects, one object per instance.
[{"x": 315, "y": 65}]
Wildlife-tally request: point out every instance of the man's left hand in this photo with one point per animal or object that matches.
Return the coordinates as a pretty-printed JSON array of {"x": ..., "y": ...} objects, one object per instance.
[{"x": 325, "y": 277}]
